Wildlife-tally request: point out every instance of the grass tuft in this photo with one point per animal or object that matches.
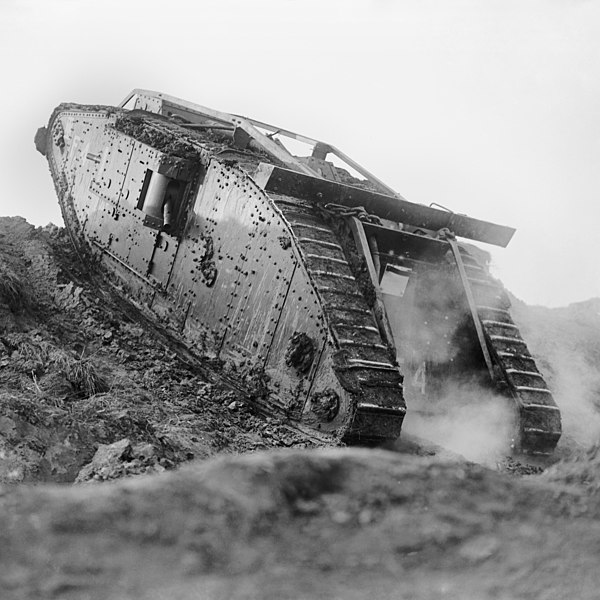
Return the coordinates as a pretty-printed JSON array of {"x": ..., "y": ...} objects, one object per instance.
[
  {"x": 81, "y": 374},
  {"x": 12, "y": 290}
]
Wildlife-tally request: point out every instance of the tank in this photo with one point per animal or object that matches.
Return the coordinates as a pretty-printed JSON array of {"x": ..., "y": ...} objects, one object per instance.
[{"x": 324, "y": 294}]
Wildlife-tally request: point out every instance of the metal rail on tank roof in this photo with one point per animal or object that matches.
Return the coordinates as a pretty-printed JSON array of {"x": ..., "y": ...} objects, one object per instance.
[{"x": 158, "y": 102}]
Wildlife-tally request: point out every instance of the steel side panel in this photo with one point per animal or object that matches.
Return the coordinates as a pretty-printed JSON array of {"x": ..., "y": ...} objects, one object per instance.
[
  {"x": 143, "y": 158},
  {"x": 133, "y": 242},
  {"x": 82, "y": 163},
  {"x": 217, "y": 215},
  {"x": 185, "y": 282},
  {"x": 163, "y": 258},
  {"x": 117, "y": 229},
  {"x": 301, "y": 314},
  {"x": 99, "y": 224},
  {"x": 116, "y": 155},
  {"x": 265, "y": 277},
  {"x": 89, "y": 220},
  {"x": 83, "y": 136}
]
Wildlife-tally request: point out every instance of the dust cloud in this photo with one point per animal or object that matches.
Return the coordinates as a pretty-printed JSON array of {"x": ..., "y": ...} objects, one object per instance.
[
  {"x": 469, "y": 420},
  {"x": 435, "y": 332},
  {"x": 575, "y": 384}
]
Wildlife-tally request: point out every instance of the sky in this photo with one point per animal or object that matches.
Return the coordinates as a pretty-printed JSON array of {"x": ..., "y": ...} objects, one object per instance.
[{"x": 490, "y": 108}]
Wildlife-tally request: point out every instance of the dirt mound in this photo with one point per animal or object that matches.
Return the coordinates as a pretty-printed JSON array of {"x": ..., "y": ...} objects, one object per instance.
[
  {"x": 581, "y": 472},
  {"x": 321, "y": 524}
]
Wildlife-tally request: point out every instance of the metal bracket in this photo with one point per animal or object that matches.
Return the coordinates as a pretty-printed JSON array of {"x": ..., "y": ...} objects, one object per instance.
[
  {"x": 472, "y": 306},
  {"x": 362, "y": 245}
]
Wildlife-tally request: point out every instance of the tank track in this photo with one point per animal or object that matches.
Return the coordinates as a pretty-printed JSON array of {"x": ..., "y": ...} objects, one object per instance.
[
  {"x": 362, "y": 361},
  {"x": 538, "y": 415}
]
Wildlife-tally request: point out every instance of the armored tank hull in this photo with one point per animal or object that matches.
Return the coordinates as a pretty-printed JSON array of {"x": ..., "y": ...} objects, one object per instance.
[{"x": 320, "y": 291}]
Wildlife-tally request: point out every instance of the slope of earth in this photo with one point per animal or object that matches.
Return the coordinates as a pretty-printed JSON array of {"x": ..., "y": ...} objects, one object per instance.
[
  {"x": 79, "y": 372},
  {"x": 319, "y": 524}
]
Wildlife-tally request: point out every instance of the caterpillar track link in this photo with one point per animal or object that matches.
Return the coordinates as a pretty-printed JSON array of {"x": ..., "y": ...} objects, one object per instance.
[
  {"x": 313, "y": 284},
  {"x": 539, "y": 417}
]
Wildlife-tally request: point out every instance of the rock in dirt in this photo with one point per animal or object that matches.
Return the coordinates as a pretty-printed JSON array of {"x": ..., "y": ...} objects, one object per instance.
[
  {"x": 107, "y": 462},
  {"x": 122, "y": 459}
]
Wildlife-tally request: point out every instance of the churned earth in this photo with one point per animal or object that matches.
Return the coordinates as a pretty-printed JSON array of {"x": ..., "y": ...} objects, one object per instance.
[
  {"x": 129, "y": 470},
  {"x": 78, "y": 369}
]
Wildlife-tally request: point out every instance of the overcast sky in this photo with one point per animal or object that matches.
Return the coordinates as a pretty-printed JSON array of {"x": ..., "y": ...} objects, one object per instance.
[{"x": 489, "y": 107}]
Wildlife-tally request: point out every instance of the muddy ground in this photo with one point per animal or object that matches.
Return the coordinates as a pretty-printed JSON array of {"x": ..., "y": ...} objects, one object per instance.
[
  {"x": 79, "y": 369},
  {"x": 212, "y": 501}
]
